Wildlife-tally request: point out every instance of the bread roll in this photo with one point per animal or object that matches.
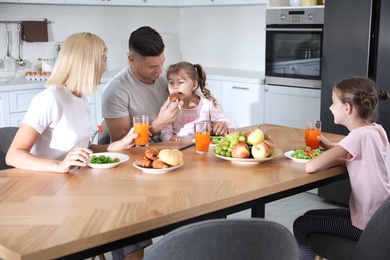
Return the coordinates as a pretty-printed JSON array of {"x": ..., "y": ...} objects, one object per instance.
[
  {"x": 174, "y": 96},
  {"x": 172, "y": 157}
]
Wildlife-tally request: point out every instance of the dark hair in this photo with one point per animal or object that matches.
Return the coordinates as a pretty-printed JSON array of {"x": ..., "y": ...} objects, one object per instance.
[
  {"x": 195, "y": 73},
  {"x": 363, "y": 95},
  {"x": 146, "y": 42}
]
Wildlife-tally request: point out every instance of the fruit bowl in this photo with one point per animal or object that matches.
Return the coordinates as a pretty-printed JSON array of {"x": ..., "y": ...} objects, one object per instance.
[{"x": 251, "y": 161}]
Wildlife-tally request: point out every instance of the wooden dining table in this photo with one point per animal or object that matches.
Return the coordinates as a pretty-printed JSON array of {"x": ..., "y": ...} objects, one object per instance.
[{"x": 46, "y": 215}]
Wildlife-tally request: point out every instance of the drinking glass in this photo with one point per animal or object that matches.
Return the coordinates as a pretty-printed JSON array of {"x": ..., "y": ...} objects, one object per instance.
[
  {"x": 202, "y": 137},
  {"x": 312, "y": 131},
  {"x": 141, "y": 127}
]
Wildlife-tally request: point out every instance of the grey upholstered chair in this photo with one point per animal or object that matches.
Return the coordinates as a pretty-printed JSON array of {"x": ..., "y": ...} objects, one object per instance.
[
  {"x": 227, "y": 239},
  {"x": 373, "y": 244},
  {"x": 7, "y": 134}
]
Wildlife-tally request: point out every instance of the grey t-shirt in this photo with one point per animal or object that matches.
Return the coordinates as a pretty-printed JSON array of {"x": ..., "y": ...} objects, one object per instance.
[{"x": 125, "y": 95}]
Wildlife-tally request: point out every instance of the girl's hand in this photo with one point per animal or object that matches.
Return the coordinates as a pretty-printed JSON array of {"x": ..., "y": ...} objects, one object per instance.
[
  {"x": 175, "y": 138},
  {"x": 77, "y": 157},
  {"x": 125, "y": 143},
  {"x": 325, "y": 143},
  {"x": 219, "y": 128}
]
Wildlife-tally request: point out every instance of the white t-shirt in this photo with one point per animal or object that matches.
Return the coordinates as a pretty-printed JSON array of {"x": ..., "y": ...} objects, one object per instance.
[
  {"x": 205, "y": 111},
  {"x": 369, "y": 171},
  {"x": 63, "y": 121}
]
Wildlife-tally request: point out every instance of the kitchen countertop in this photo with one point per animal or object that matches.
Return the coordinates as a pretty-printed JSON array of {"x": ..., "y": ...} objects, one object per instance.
[{"x": 245, "y": 76}]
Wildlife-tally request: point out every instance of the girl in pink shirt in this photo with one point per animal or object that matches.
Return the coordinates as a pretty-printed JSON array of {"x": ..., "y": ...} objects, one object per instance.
[
  {"x": 365, "y": 152},
  {"x": 184, "y": 79}
]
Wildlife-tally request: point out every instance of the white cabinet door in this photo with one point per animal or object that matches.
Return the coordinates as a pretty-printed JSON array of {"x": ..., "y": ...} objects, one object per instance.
[
  {"x": 290, "y": 106},
  {"x": 19, "y": 101},
  {"x": 104, "y": 2},
  {"x": 243, "y": 102},
  {"x": 4, "y": 109},
  {"x": 220, "y": 2},
  {"x": 161, "y": 2},
  {"x": 215, "y": 89},
  {"x": 42, "y": 1}
]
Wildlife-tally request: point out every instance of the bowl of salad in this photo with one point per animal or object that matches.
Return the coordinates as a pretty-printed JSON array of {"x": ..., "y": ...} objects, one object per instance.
[
  {"x": 304, "y": 154},
  {"x": 107, "y": 160}
]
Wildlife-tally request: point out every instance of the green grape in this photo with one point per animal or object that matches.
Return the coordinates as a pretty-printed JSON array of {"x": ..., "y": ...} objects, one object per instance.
[
  {"x": 229, "y": 154},
  {"x": 218, "y": 149},
  {"x": 234, "y": 141},
  {"x": 223, "y": 153},
  {"x": 224, "y": 147},
  {"x": 242, "y": 138}
]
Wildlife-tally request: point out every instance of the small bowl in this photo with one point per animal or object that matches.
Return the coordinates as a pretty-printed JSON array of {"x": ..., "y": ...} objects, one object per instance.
[{"x": 6, "y": 75}]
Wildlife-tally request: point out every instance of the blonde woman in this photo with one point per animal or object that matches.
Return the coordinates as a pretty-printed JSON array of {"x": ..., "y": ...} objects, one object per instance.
[{"x": 55, "y": 132}]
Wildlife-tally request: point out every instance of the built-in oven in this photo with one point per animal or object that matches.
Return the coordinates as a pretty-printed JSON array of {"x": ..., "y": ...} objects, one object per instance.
[{"x": 294, "y": 46}]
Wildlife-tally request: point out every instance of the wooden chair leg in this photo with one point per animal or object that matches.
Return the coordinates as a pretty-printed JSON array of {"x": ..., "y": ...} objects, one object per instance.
[{"x": 318, "y": 258}]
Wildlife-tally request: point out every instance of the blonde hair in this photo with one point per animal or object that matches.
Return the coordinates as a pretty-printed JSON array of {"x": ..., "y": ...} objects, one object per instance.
[{"x": 79, "y": 63}]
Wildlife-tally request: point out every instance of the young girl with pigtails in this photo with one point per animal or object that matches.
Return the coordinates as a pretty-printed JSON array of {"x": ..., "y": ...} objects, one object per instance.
[
  {"x": 184, "y": 79},
  {"x": 364, "y": 151}
]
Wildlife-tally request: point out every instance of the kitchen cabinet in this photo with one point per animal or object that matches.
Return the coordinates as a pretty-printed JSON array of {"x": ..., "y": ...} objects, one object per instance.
[
  {"x": 291, "y": 106},
  {"x": 160, "y": 2},
  {"x": 220, "y": 2},
  {"x": 42, "y": 1},
  {"x": 104, "y": 2},
  {"x": 4, "y": 110},
  {"x": 215, "y": 89},
  {"x": 243, "y": 102}
]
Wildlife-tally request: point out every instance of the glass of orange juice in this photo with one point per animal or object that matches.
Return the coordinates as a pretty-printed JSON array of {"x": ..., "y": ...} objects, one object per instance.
[
  {"x": 141, "y": 127},
  {"x": 312, "y": 131},
  {"x": 202, "y": 137}
]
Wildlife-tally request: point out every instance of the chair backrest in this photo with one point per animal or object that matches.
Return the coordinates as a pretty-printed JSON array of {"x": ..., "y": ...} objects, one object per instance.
[
  {"x": 375, "y": 240},
  {"x": 7, "y": 134},
  {"x": 227, "y": 239}
]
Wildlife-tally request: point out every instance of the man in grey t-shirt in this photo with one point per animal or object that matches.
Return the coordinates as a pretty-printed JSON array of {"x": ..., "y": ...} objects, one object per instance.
[{"x": 140, "y": 89}]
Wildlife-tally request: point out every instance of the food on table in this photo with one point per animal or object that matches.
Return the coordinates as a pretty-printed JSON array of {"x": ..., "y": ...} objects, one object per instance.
[
  {"x": 172, "y": 157},
  {"x": 154, "y": 158},
  {"x": 252, "y": 144},
  {"x": 158, "y": 164},
  {"x": 103, "y": 159},
  {"x": 305, "y": 153},
  {"x": 145, "y": 162},
  {"x": 174, "y": 96},
  {"x": 152, "y": 153},
  {"x": 215, "y": 139}
]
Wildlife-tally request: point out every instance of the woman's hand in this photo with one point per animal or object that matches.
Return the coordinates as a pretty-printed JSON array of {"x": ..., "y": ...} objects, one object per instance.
[
  {"x": 125, "y": 143},
  {"x": 77, "y": 157}
]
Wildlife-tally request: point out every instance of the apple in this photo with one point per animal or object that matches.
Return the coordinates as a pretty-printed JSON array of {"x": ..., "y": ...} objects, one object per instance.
[
  {"x": 240, "y": 150},
  {"x": 270, "y": 145},
  {"x": 267, "y": 137},
  {"x": 260, "y": 150},
  {"x": 254, "y": 136}
]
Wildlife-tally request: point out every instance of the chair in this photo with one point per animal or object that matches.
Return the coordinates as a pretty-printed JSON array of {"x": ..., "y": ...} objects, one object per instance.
[
  {"x": 7, "y": 134},
  {"x": 373, "y": 244},
  {"x": 226, "y": 239}
]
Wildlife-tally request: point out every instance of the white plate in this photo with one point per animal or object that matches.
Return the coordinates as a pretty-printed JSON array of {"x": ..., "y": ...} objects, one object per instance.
[
  {"x": 155, "y": 171},
  {"x": 288, "y": 155},
  {"x": 250, "y": 161},
  {"x": 122, "y": 158}
]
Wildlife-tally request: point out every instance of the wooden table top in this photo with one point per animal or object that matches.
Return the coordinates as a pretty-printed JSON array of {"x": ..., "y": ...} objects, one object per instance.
[{"x": 46, "y": 215}]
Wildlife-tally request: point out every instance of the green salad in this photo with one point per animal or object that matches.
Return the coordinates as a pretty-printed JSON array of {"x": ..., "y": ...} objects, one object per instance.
[
  {"x": 102, "y": 159},
  {"x": 305, "y": 153},
  {"x": 215, "y": 139}
]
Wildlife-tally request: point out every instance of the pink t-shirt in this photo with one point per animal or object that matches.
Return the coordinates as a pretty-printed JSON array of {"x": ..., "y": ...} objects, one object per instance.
[
  {"x": 369, "y": 171},
  {"x": 205, "y": 111}
]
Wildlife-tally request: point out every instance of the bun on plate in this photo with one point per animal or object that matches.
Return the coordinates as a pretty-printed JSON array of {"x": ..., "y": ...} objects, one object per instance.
[
  {"x": 174, "y": 96},
  {"x": 172, "y": 157}
]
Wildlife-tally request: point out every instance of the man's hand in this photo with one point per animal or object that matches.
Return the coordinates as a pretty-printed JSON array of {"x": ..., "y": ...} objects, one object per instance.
[{"x": 169, "y": 113}]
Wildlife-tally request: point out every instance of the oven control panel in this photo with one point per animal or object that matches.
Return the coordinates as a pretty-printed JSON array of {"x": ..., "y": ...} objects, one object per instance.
[{"x": 295, "y": 16}]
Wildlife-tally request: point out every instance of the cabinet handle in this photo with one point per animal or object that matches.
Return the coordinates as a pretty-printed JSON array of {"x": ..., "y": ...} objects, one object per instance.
[
  {"x": 266, "y": 90},
  {"x": 235, "y": 87}
]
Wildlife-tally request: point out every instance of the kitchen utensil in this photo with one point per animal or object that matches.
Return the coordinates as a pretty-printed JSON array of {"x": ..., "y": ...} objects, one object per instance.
[
  {"x": 20, "y": 62},
  {"x": 8, "y": 64}
]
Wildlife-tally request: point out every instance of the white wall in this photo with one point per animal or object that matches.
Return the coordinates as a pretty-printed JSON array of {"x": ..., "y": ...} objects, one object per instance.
[{"x": 224, "y": 36}]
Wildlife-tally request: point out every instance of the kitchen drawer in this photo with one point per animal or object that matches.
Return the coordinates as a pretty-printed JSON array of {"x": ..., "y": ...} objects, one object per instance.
[{"x": 19, "y": 101}]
